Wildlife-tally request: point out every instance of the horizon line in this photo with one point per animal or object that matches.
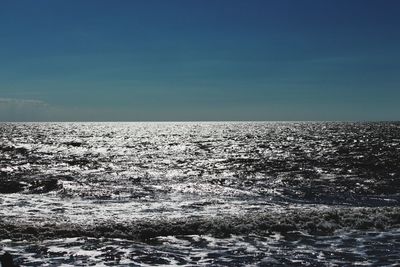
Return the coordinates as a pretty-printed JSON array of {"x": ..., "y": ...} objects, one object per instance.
[{"x": 206, "y": 121}]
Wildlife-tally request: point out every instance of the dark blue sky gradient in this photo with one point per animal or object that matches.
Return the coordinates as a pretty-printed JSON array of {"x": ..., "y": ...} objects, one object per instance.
[{"x": 200, "y": 60}]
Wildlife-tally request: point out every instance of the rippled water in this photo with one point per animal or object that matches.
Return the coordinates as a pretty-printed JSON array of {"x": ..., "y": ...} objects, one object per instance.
[{"x": 200, "y": 193}]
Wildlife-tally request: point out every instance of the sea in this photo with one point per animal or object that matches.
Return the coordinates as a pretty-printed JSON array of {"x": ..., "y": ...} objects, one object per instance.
[{"x": 200, "y": 193}]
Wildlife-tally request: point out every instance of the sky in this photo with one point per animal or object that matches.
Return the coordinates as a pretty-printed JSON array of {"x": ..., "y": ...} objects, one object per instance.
[{"x": 194, "y": 60}]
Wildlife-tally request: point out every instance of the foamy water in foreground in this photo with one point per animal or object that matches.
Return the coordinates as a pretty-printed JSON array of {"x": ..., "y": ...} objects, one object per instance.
[{"x": 200, "y": 193}]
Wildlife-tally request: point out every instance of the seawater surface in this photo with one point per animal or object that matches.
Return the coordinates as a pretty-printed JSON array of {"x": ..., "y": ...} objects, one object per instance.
[{"x": 211, "y": 194}]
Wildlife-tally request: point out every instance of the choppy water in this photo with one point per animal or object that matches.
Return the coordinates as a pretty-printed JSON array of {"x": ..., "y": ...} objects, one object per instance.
[{"x": 227, "y": 194}]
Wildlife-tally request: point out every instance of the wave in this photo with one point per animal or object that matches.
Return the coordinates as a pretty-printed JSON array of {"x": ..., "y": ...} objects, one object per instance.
[
  {"x": 314, "y": 221},
  {"x": 104, "y": 187}
]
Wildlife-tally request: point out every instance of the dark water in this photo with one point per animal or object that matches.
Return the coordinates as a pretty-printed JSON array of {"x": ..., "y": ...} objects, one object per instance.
[{"x": 213, "y": 194}]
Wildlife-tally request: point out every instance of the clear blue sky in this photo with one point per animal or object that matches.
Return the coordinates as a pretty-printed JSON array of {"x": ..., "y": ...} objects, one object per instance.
[{"x": 133, "y": 60}]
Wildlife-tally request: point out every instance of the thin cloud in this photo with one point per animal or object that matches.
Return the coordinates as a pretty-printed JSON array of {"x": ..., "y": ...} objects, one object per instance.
[
  {"x": 13, "y": 109},
  {"x": 16, "y": 101}
]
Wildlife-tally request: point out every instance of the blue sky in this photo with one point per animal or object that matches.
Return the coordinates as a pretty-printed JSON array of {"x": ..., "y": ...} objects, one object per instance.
[{"x": 126, "y": 60}]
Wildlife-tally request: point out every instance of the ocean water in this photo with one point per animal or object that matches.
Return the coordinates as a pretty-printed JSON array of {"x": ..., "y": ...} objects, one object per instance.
[{"x": 208, "y": 194}]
